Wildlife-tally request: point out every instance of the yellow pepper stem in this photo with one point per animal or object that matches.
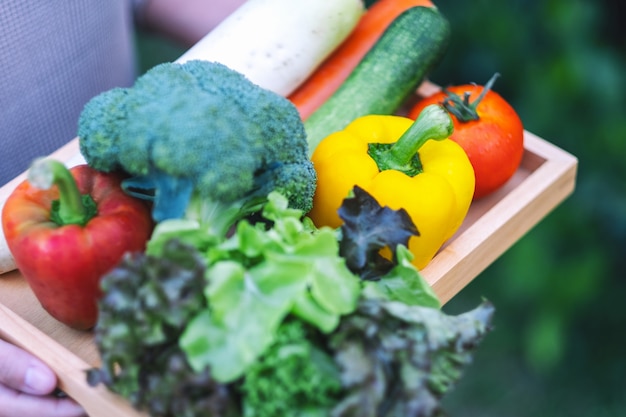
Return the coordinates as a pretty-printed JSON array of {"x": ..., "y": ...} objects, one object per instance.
[{"x": 433, "y": 122}]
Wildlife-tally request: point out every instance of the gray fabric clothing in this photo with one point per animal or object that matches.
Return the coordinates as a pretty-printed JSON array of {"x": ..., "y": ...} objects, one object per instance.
[{"x": 54, "y": 56}]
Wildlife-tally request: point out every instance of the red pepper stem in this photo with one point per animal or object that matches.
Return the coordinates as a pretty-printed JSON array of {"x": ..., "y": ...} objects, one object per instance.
[
  {"x": 44, "y": 173},
  {"x": 433, "y": 122}
]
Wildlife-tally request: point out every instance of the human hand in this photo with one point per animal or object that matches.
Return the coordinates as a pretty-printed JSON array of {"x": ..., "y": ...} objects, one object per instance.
[{"x": 26, "y": 387}]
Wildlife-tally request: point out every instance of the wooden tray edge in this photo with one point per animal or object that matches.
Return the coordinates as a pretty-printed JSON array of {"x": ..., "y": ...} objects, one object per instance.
[
  {"x": 70, "y": 370},
  {"x": 505, "y": 223}
]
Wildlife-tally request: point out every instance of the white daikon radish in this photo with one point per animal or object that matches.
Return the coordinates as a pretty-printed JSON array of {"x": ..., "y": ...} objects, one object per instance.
[{"x": 277, "y": 44}]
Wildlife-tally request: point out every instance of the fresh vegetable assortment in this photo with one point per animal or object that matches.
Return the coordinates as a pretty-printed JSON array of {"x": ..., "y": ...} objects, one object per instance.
[
  {"x": 66, "y": 229},
  {"x": 282, "y": 275},
  {"x": 403, "y": 164},
  {"x": 488, "y": 129},
  {"x": 333, "y": 71},
  {"x": 273, "y": 321},
  {"x": 411, "y": 46}
]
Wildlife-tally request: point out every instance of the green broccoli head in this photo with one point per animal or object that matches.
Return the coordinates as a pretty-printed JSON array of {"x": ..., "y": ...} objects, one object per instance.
[
  {"x": 199, "y": 130},
  {"x": 99, "y": 127},
  {"x": 284, "y": 125}
]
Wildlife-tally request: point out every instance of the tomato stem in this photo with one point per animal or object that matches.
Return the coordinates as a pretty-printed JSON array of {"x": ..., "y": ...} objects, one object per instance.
[
  {"x": 461, "y": 107},
  {"x": 433, "y": 122},
  {"x": 72, "y": 207}
]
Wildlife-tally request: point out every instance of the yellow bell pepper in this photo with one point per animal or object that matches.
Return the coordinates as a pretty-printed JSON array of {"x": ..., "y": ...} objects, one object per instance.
[{"x": 395, "y": 160}]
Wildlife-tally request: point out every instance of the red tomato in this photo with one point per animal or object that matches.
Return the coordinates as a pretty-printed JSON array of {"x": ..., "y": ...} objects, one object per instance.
[{"x": 486, "y": 127}]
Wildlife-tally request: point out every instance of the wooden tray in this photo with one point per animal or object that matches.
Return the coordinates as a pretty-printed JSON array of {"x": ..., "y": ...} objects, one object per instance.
[{"x": 545, "y": 178}]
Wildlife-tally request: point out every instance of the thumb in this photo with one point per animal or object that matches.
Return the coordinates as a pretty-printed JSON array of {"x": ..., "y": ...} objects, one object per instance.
[{"x": 23, "y": 372}]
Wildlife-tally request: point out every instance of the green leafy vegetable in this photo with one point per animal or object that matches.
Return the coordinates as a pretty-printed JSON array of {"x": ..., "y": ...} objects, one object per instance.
[
  {"x": 257, "y": 277},
  {"x": 403, "y": 283},
  {"x": 398, "y": 360},
  {"x": 295, "y": 377},
  {"x": 270, "y": 321},
  {"x": 146, "y": 305},
  {"x": 246, "y": 309}
]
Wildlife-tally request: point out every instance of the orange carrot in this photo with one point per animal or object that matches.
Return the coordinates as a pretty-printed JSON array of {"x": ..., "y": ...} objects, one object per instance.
[{"x": 335, "y": 69}]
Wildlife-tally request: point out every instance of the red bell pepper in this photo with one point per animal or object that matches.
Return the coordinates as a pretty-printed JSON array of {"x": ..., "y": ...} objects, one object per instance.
[{"x": 66, "y": 229}]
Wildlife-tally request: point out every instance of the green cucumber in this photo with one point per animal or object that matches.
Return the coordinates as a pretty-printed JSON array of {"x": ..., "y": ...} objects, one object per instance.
[{"x": 413, "y": 44}]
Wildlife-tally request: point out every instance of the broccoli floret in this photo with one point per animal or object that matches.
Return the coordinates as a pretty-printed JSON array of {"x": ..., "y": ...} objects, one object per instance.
[
  {"x": 256, "y": 102},
  {"x": 200, "y": 140},
  {"x": 99, "y": 122}
]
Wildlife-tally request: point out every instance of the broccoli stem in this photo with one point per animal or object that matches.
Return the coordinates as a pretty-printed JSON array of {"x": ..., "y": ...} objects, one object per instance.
[
  {"x": 169, "y": 195},
  {"x": 72, "y": 207}
]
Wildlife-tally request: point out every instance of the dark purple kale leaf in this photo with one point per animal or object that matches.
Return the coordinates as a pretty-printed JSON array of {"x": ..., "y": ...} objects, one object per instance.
[{"x": 367, "y": 228}]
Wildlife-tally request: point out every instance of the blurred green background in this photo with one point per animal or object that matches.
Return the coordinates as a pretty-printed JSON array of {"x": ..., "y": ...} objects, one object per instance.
[
  {"x": 560, "y": 327},
  {"x": 560, "y": 292}
]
